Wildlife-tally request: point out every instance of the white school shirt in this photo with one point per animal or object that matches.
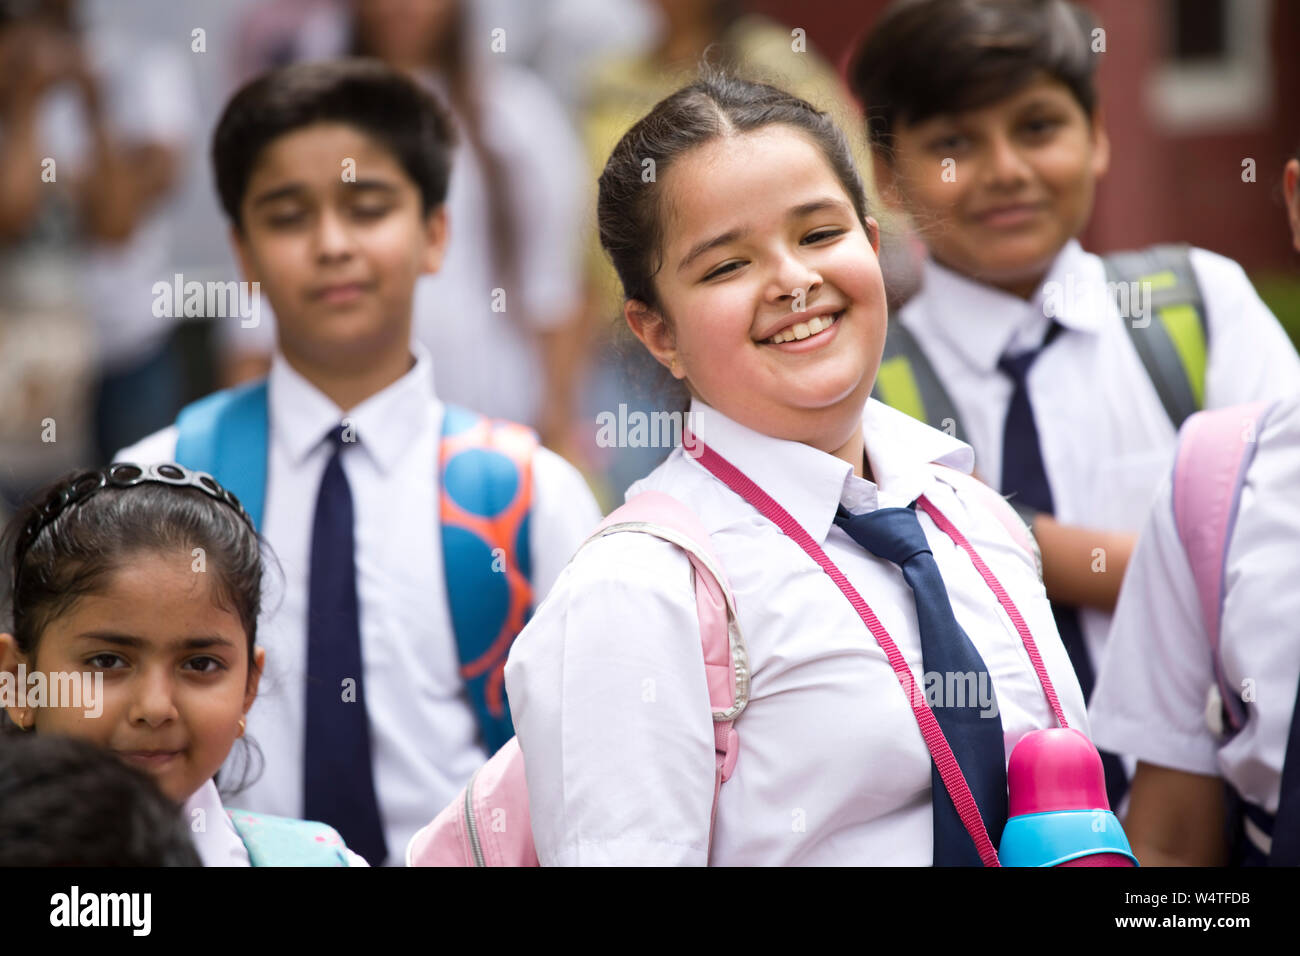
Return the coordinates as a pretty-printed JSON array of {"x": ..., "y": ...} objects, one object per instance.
[
  {"x": 607, "y": 683},
  {"x": 424, "y": 736},
  {"x": 1106, "y": 439},
  {"x": 1152, "y": 691},
  {"x": 213, "y": 833}
]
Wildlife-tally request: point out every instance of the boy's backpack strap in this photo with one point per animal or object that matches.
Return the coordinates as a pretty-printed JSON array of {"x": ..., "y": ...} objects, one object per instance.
[
  {"x": 1215, "y": 450},
  {"x": 485, "y": 499},
  {"x": 908, "y": 382},
  {"x": 225, "y": 434},
  {"x": 1172, "y": 340},
  {"x": 280, "y": 841}
]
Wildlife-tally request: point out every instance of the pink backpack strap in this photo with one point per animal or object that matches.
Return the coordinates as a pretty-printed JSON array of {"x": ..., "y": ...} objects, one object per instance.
[
  {"x": 999, "y": 507},
  {"x": 726, "y": 661},
  {"x": 1215, "y": 449}
]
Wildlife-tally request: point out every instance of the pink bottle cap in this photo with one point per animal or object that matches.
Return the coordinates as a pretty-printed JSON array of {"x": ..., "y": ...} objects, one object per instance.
[{"x": 1056, "y": 769}]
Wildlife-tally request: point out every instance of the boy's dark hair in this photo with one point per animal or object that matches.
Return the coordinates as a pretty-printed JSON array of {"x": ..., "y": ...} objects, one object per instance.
[
  {"x": 925, "y": 58},
  {"x": 365, "y": 94},
  {"x": 630, "y": 209},
  {"x": 82, "y": 543},
  {"x": 66, "y": 802}
]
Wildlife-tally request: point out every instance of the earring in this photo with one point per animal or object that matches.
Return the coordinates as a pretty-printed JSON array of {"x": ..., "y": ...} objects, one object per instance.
[
  {"x": 672, "y": 367},
  {"x": 241, "y": 726},
  {"x": 21, "y": 722}
]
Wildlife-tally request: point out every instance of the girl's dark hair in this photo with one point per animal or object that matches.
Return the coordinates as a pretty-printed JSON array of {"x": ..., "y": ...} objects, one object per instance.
[
  {"x": 630, "y": 205},
  {"x": 364, "y": 94},
  {"x": 924, "y": 58},
  {"x": 71, "y": 555}
]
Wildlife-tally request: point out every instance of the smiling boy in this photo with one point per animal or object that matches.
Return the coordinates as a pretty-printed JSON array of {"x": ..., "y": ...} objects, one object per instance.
[
  {"x": 413, "y": 536},
  {"x": 985, "y": 128}
]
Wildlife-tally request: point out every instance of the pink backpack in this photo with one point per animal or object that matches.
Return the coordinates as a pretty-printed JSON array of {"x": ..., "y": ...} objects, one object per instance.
[
  {"x": 489, "y": 825},
  {"x": 1215, "y": 450}
]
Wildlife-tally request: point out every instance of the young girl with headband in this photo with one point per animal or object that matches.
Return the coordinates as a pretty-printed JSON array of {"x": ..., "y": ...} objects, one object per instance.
[
  {"x": 150, "y": 578},
  {"x": 899, "y": 639}
]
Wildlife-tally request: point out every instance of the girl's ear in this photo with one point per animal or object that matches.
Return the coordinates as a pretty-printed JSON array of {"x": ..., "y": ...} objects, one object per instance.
[
  {"x": 435, "y": 237},
  {"x": 254, "y": 677},
  {"x": 873, "y": 234},
  {"x": 655, "y": 333},
  {"x": 10, "y": 658}
]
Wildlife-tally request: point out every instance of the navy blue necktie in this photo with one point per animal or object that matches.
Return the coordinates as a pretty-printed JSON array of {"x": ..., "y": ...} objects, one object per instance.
[
  {"x": 338, "y": 779},
  {"x": 974, "y": 732},
  {"x": 1025, "y": 478}
]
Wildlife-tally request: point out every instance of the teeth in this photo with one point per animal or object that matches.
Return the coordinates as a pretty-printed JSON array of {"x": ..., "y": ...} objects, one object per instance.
[{"x": 802, "y": 330}]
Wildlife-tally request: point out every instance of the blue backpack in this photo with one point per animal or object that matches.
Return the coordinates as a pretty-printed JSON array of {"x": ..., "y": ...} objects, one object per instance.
[{"x": 485, "y": 491}]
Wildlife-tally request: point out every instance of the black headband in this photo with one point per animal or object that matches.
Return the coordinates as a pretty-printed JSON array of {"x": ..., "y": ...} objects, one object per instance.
[{"x": 80, "y": 487}]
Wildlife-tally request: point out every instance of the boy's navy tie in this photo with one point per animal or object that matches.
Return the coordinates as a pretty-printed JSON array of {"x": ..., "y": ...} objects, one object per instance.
[
  {"x": 1025, "y": 477},
  {"x": 338, "y": 783},
  {"x": 974, "y": 733}
]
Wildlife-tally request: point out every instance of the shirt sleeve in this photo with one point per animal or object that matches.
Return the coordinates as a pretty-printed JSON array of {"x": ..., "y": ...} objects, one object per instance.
[
  {"x": 1250, "y": 357},
  {"x": 610, "y": 703},
  {"x": 1157, "y": 671},
  {"x": 564, "y": 513}
]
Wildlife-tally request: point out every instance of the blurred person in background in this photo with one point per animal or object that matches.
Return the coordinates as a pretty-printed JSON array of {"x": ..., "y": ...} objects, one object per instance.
[
  {"x": 500, "y": 317},
  {"x": 92, "y": 129}
]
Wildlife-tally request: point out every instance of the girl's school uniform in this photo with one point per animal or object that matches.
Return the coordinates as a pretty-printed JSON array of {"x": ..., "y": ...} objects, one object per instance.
[
  {"x": 608, "y": 689},
  {"x": 425, "y": 737},
  {"x": 1106, "y": 438},
  {"x": 1157, "y": 690},
  {"x": 264, "y": 841}
]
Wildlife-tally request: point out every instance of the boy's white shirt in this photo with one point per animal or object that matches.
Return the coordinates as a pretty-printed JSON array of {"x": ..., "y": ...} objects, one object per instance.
[
  {"x": 214, "y": 835},
  {"x": 607, "y": 683},
  {"x": 1107, "y": 441},
  {"x": 424, "y": 734},
  {"x": 1151, "y": 692}
]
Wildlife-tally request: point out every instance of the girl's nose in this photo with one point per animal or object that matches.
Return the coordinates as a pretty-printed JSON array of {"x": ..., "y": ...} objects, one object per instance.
[
  {"x": 793, "y": 280},
  {"x": 153, "y": 701}
]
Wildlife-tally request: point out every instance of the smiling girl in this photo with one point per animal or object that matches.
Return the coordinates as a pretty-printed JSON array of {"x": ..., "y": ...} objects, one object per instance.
[
  {"x": 152, "y": 578},
  {"x": 749, "y": 268}
]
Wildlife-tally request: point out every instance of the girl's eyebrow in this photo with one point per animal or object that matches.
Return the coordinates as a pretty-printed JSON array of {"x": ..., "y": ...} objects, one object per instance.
[
  {"x": 817, "y": 205},
  {"x": 127, "y": 640},
  {"x": 700, "y": 248}
]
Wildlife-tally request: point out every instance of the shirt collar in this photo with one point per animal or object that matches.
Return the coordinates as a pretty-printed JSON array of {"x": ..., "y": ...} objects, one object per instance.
[
  {"x": 811, "y": 484},
  {"x": 386, "y": 423},
  {"x": 217, "y": 841},
  {"x": 983, "y": 323}
]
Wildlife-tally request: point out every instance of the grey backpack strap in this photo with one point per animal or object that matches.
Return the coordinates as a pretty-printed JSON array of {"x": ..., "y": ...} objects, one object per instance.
[
  {"x": 1169, "y": 331},
  {"x": 907, "y": 381}
]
